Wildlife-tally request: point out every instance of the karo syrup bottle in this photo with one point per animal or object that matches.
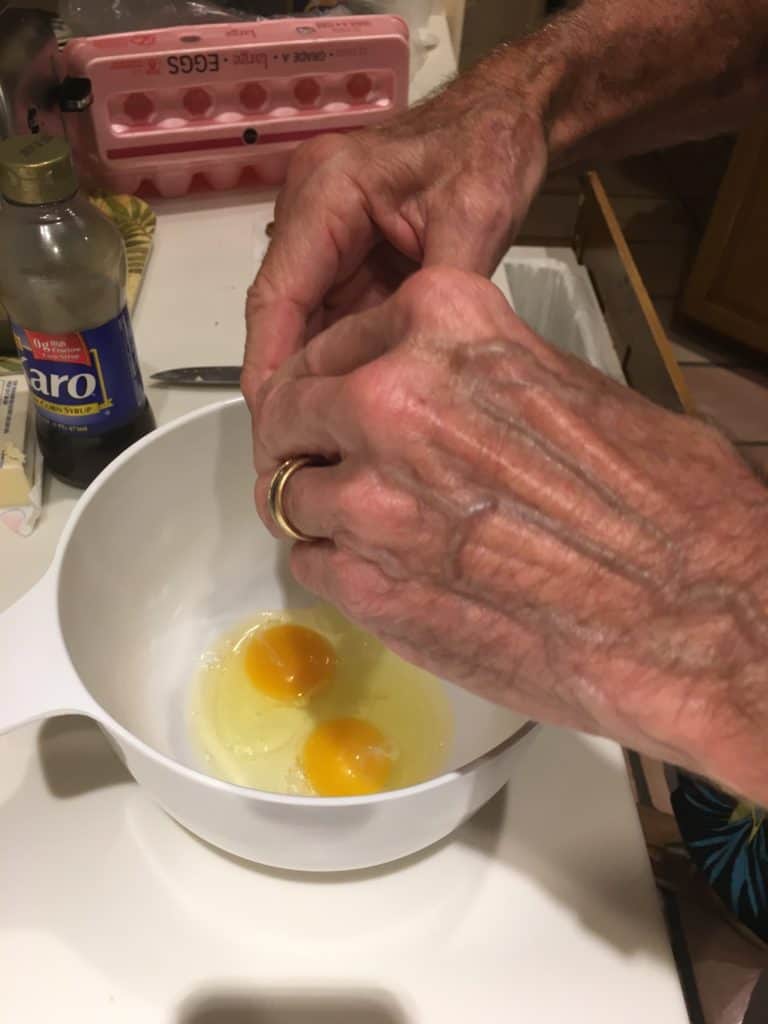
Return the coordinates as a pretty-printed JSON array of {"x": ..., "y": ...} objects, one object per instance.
[{"x": 62, "y": 281}]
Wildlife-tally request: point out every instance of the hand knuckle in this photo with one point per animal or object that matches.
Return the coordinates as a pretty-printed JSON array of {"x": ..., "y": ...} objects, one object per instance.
[
  {"x": 442, "y": 307},
  {"x": 359, "y": 506},
  {"x": 418, "y": 293},
  {"x": 480, "y": 207},
  {"x": 254, "y": 298},
  {"x": 430, "y": 292},
  {"x": 264, "y": 412},
  {"x": 250, "y": 387},
  {"x": 306, "y": 167},
  {"x": 313, "y": 154},
  {"x": 360, "y": 597},
  {"x": 348, "y": 516},
  {"x": 263, "y": 288},
  {"x": 488, "y": 309},
  {"x": 360, "y": 394},
  {"x": 486, "y": 210},
  {"x": 375, "y": 395},
  {"x": 260, "y": 496},
  {"x": 351, "y": 597}
]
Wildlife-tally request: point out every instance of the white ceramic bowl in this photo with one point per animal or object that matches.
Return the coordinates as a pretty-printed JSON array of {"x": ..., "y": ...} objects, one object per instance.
[{"x": 162, "y": 553}]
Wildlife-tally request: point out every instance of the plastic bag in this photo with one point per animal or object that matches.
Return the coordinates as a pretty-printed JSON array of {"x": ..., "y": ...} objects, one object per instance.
[
  {"x": 414, "y": 12},
  {"x": 97, "y": 18}
]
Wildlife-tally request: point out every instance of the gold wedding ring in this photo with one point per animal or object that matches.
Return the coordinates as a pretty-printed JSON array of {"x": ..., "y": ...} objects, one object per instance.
[{"x": 276, "y": 491}]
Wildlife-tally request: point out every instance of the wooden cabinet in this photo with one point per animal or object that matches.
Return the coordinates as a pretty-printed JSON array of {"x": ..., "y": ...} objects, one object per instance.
[{"x": 728, "y": 286}]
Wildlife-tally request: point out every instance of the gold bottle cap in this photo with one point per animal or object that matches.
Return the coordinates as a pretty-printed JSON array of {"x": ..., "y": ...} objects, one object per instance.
[{"x": 36, "y": 169}]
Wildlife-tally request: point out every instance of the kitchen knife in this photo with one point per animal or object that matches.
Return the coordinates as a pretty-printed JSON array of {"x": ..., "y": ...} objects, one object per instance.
[{"x": 199, "y": 376}]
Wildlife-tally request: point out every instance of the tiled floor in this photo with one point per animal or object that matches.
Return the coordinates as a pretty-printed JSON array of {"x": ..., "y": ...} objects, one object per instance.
[{"x": 663, "y": 202}]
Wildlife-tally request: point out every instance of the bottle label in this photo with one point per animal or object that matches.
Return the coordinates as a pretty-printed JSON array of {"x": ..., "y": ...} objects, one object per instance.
[{"x": 86, "y": 382}]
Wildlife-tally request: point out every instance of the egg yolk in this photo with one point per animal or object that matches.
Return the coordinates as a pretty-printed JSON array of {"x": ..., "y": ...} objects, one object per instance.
[
  {"x": 289, "y": 663},
  {"x": 347, "y": 757}
]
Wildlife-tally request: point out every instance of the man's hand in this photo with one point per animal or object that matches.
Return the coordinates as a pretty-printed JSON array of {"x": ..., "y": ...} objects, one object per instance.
[
  {"x": 449, "y": 183},
  {"x": 446, "y": 184},
  {"x": 511, "y": 519}
]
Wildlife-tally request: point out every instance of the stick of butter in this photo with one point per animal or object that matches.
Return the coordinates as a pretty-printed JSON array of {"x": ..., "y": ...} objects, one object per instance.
[{"x": 18, "y": 444}]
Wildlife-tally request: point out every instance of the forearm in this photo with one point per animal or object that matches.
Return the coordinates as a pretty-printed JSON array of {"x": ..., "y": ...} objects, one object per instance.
[
  {"x": 633, "y": 76},
  {"x": 610, "y": 78}
]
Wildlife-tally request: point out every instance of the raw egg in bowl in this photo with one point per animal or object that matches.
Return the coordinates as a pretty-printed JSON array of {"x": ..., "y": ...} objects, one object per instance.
[
  {"x": 163, "y": 574},
  {"x": 303, "y": 702}
]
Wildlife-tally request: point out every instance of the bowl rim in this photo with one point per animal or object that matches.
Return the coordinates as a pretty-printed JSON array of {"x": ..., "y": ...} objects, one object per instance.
[{"x": 104, "y": 718}]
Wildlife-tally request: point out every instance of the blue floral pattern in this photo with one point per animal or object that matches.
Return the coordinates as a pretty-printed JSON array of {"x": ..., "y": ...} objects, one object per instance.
[{"x": 727, "y": 838}]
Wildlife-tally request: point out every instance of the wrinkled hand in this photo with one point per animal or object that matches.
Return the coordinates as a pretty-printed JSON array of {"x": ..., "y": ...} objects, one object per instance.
[
  {"x": 447, "y": 183},
  {"x": 513, "y": 520}
]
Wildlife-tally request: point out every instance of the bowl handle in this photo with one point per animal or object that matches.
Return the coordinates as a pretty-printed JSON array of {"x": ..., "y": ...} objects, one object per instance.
[{"x": 37, "y": 679}]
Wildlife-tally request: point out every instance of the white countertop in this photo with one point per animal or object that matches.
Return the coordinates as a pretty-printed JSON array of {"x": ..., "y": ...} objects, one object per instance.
[{"x": 541, "y": 909}]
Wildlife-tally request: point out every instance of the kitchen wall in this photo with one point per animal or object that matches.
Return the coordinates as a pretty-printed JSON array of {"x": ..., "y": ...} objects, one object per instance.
[
  {"x": 490, "y": 22},
  {"x": 454, "y": 10},
  {"x": 41, "y": 5}
]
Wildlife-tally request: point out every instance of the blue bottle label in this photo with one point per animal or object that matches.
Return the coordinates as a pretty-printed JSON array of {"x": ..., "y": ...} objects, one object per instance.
[{"x": 86, "y": 382}]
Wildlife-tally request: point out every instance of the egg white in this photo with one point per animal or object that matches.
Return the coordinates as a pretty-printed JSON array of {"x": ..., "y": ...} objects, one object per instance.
[{"x": 253, "y": 740}]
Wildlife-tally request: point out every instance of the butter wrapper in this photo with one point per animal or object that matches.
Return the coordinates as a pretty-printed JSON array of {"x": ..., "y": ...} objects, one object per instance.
[{"x": 20, "y": 459}]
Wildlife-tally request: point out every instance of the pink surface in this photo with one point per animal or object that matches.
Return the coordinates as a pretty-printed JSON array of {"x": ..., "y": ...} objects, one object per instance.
[{"x": 213, "y": 102}]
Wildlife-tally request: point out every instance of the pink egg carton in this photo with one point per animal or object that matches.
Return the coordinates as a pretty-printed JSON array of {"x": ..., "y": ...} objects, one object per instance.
[{"x": 220, "y": 104}]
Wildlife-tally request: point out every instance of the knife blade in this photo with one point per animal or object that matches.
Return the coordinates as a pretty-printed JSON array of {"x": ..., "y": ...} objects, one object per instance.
[{"x": 199, "y": 376}]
